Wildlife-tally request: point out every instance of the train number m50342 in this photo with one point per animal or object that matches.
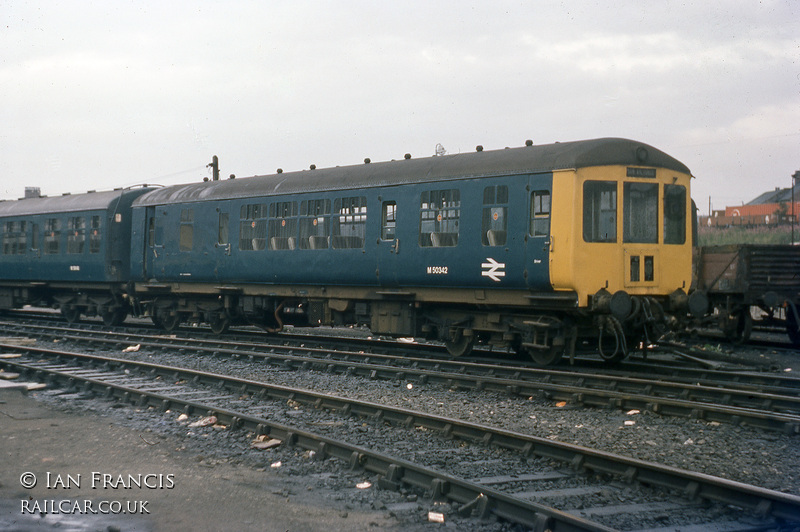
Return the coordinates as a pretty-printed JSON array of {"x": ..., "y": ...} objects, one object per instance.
[{"x": 437, "y": 270}]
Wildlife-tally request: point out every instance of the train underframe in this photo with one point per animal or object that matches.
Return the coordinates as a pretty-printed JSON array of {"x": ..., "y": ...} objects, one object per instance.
[{"x": 545, "y": 327}]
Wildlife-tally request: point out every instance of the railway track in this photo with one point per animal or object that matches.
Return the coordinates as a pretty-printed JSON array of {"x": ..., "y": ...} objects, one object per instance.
[
  {"x": 506, "y": 474},
  {"x": 757, "y": 399}
]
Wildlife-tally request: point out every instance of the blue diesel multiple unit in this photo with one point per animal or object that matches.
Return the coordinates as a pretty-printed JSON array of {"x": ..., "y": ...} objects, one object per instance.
[
  {"x": 530, "y": 248},
  {"x": 70, "y": 251}
]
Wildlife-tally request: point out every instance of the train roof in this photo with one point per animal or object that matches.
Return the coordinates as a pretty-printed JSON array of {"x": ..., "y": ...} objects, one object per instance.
[
  {"x": 509, "y": 161},
  {"x": 90, "y": 201}
]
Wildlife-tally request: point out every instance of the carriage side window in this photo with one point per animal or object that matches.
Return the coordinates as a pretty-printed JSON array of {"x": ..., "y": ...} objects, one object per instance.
[
  {"x": 15, "y": 238},
  {"x": 640, "y": 213},
  {"x": 674, "y": 214},
  {"x": 8, "y": 239},
  {"x": 315, "y": 223},
  {"x": 52, "y": 236},
  {"x": 540, "y": 213},
  {"x": 440, "y": 211},
  {"x": 349, "y": 223},
  {"x": 253, "y": 227},
  {"x": 222, "y": 229},
  {"x": 22, "y": 238},
  {"x": 186, "y": 237},
  {"x": 34, "y": 237},
  {"x": 389, "y": 221},
  {"x": 282, "y": 229},
  {"x": 495, "y": 211},
  {"x": 600, "y": 211},
  {"x": 76, "y": 235},
  {"x": 95, "y": 237}
]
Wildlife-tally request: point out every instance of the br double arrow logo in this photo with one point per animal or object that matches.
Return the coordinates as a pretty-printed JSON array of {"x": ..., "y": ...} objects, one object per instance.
[{"x": 493, "y": 270}]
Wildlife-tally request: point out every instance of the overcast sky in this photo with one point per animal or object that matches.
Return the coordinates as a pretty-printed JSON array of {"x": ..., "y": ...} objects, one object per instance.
[{"x": 111, "y": 93}]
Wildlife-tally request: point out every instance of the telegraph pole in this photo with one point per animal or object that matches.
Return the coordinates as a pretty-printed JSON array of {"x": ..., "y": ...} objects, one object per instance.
[
  {"x": 795, "y": 176},
  {"x": 214, "y": 164}
]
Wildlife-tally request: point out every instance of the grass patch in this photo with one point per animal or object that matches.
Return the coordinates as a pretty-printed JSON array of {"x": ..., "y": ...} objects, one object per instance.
[{"x": 720, "y": 236}]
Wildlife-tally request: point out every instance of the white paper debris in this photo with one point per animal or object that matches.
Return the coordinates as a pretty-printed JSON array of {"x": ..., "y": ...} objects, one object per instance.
[
  {"x": 436, "y": 517},
  {"x": 204, "y": 422}
]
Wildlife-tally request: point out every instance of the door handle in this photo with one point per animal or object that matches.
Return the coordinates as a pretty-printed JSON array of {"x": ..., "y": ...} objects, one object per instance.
[{"x": 396, "y": 246}]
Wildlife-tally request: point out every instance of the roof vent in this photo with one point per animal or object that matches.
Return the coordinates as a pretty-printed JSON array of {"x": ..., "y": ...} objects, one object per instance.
[
  {"x": 407, "y": 156},
  {"x": 478, "y": 148},
  {"x": 529, "y": 142},
  {"x": 33, "y": 192},
  {"x": 367, "y": 161},
  {"x": 313, "y": 166},
  {"x": 280, "y": 170}
]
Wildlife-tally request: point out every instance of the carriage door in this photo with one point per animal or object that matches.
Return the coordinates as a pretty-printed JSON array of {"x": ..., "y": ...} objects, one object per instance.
[
  {"x": 538, "y": 237},
  {"x": 388, "y": 245},
  {"x": 154, "y": 244},
  {"x": 223, "y": 246}
]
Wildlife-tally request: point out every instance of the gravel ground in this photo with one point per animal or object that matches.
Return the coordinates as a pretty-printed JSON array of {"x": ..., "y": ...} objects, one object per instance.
[{"x": 766, "y": 459}]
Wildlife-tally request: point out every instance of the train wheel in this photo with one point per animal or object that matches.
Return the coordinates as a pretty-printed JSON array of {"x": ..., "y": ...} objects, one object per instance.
[
  {"x": 219, "y": 324},
  {"x": 114, "y": 318},
  {"x": 546, "y": 357},
  {"x": 458, "y": 344},
  {"x": 738, "y": 326},
  {"x": 791, "y": 326},
  {"x": 170, "y": 322},
  {"x": 71, "y": 314}
]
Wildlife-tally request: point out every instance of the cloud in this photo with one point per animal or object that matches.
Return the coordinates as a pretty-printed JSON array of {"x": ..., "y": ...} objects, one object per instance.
[{"x": 109, "y": 94}]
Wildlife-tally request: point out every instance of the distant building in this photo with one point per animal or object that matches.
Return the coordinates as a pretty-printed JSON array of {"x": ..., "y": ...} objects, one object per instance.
[{"x": 770, "y": 208}]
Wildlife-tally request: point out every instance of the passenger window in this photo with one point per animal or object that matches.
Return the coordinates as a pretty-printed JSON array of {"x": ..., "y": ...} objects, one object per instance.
[
  {"x": 52, "y": 236},
  {"x": 35, "y": 237},
  {"x": 186, "y": 236},
  {"x": 76, "y": 235},
  {"x": 674, "y": 214},
  {"x": 440, "y": 211},
  {"x": 495, "y": 211},
  {"x": 389, "y": 220},
  {"x": 349, "y": 223},
  {"x": 9, "y": 241},
  {"x": 640, "y": 213},
  {"x": 600, "y": 211},
  {"x": 540, "y": 213},
  {"x": 282, "y": 228},
  {"x": 15, "y": 238},
  {"x": 253, "y": 227},
  {"x": 95, "y": 237},
  {"x": 315, "y": 224}
]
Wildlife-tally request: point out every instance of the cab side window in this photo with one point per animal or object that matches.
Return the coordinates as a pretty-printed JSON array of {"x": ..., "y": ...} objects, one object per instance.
[
  {"x": 674, "y": 214},
  {"x": 600, "y": 211},
  {"x": 540, "y": 213}
]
